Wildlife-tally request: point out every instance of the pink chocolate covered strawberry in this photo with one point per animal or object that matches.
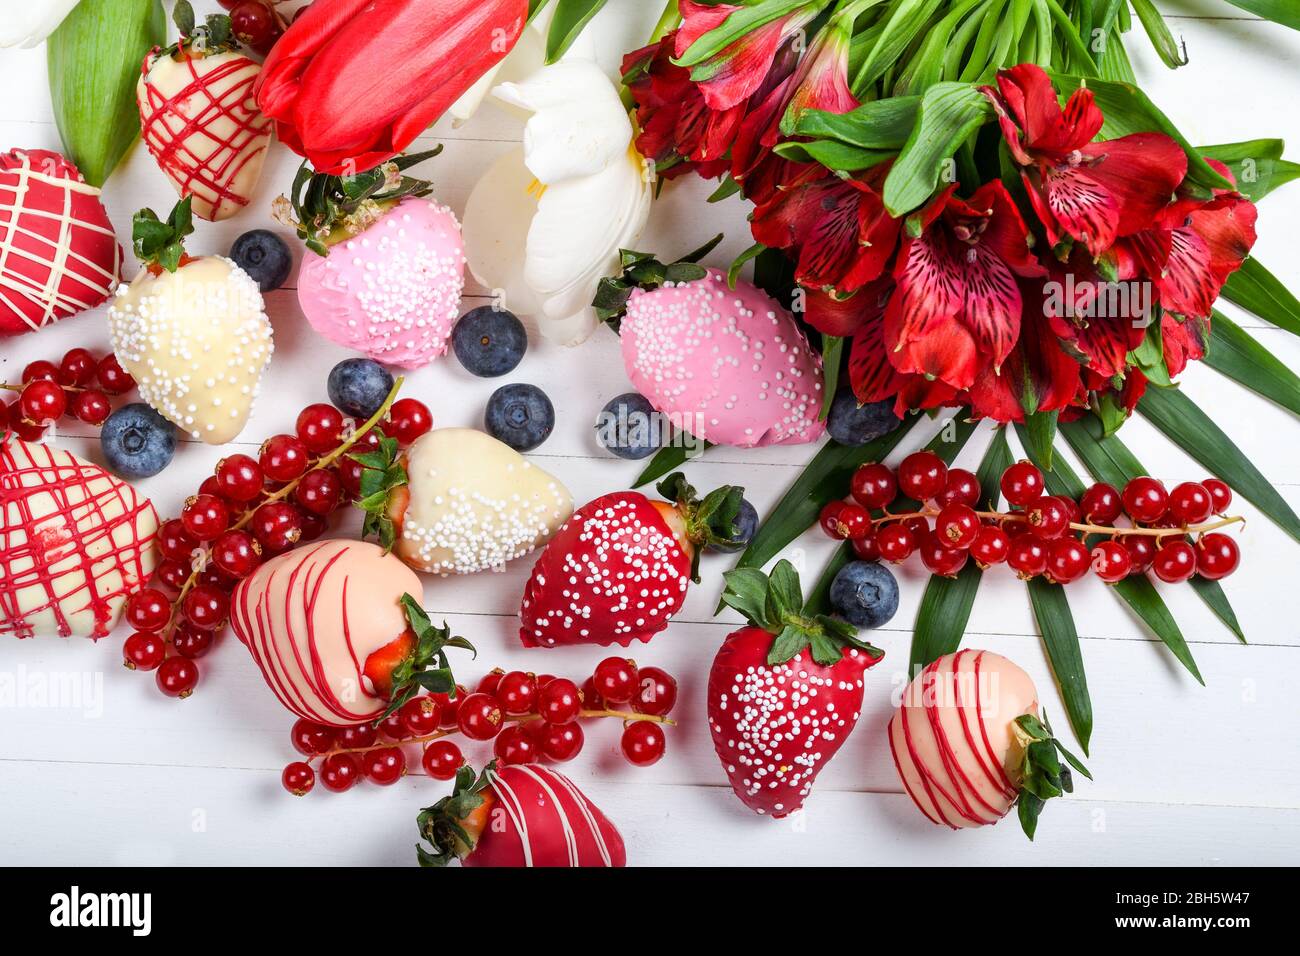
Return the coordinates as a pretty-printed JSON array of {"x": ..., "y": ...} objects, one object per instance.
[
  {"x": 785, "y": 692},
  {"x": 618, "y": 569},
  {"x": 518, "y": 816},
  {"x": 58, "y": 254}
]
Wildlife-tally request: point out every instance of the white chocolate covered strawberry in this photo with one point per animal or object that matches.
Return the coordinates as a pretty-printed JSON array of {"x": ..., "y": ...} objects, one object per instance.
[
  {"x": 75, "y": 543},
  {"x": 199, "y": 119},
  {"x": 192, "y": 332}
]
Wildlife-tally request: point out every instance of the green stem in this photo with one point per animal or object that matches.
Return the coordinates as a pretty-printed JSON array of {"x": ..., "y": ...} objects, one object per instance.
[{"x": 669, "y": 21}]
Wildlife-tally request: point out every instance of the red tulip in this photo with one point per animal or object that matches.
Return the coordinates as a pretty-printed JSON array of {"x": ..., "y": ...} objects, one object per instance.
[{"x": 352, "y": 82}]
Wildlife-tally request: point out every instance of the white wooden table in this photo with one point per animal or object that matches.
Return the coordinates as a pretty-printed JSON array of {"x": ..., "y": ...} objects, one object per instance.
[{"x": 1184, "y": 774}]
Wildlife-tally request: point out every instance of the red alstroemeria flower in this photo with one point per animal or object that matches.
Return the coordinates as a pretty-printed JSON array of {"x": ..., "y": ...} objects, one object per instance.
[
  {"x": 1099, "y": 320},
  {"x": 1183, "y": 341},
  {"x": 734, "y": 73},
  {"x": 958, "y": 303},
  {"x": 1094, "y": 192},
  {"x": 837, "y": 229},
  {"x": 678, "y": 130}
]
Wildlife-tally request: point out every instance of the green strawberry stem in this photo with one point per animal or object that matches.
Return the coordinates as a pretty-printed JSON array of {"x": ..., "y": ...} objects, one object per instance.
[
  {"x": 161, "y": 245},
  {"x": 709, "y": 522},
  {"x": 1042, "y": 776},
  {"x": 214, "y": 35},
  {"x": 443, "y": 824},
  {"x": 641, "y": 270},
  {"x": 776, "y": 604},
  {"x": 418, "y": 672}
]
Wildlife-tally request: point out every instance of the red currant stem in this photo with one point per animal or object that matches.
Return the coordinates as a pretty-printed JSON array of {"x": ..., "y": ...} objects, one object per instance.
[
  {"x": 1001, "y": 516},
  {"x": 323, "y": 462},
  {"x": 523, "y": 718},
  {"x": 18, "y": 388}
]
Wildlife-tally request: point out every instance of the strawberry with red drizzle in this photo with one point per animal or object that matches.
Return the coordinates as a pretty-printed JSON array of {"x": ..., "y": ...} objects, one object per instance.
[
  {"x": 785, "y": 692},
  {"x": 524, "y": 815},
  {"x": 618, "y": 569}
]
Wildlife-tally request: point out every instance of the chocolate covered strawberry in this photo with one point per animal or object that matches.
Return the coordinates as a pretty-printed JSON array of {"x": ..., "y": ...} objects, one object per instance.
[
  {"x": 518, "y": 815},
  {"x": 785, "y": 692},
  {"x": 618, "y": 569},
  {"x": 198, "y": 116}
]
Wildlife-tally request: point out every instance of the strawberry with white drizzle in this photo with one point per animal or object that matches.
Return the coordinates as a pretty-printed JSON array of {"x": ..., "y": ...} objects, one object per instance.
[
  {"x": 785, "y": 692},
  {"x": 198, "y": 117},
  {"x": 618, "y": 569},
  {"x": 518, "y": 815},
  {"x": 193, "y": 332}
]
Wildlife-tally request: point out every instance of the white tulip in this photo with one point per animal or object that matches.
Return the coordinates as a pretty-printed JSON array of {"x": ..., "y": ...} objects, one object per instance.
[
  {"x": 546, "y": 221},
  {"x": 31, "y": 21}
]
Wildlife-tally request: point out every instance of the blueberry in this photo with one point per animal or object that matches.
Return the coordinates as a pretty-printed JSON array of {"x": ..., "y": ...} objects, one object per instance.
[
  {"x": 745, "y": 523},
  {"x": 629, "y": 427},
  {"x": 519, "y": 415},
  {"x": 852, "y": 424},
  {"x": 865, "y": 593},
  {"x": 264, "y": 256},
  {"x": 358, "y": 386},
  {"x": 489, "y": 342},
  {"x": 137, "y": 441}
]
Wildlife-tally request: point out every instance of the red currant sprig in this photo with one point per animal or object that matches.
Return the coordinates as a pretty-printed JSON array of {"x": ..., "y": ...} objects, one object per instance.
[
  {"x": 528, "y": 718},
  {"x": 80, "y": 385},
  {"x": 1043, "y": 534}
]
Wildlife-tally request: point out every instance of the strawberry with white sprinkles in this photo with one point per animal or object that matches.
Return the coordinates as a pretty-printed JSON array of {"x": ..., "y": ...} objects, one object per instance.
[
  {"x": 618, "y": 570},
  {"x": 785, "y": 692}
]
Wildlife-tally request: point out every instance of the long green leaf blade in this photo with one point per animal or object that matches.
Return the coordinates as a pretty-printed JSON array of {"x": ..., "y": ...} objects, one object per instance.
[
  {"x": 949, "y": 113},
  {"x": 1257, "y": 165},
  {"x": 569, "y": 19},
  {"x": 667, "y": 460},
  {"x": 1240, "y": 356},
  {"x": 1285, "y": 12},
  {"x": 1056, "y": 625},
  {"x": 1256, "y": 289}
]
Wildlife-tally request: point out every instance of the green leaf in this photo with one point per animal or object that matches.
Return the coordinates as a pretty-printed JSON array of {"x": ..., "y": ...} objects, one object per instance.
[
  {"x": 787, "y": 644},
  {"x": 1038, "y": 435},
  {"x": 94, "y": 62},
  {"x": 1255, "y": 289},
  {"x": 1178, "y": 417},
  {"x": 728, "y": 187},
  {"x": 733, "y": 29},
  {"x": 570, "y": 17},
  {"x": 819, "y": 601},
  {"x": 1056, "y": 625},
  {"x": 785, "y": 596},
  {"x": 832, "y": 351},
  {"x": 1257, "y": 165},
  {"x": 948, "y": 115},
  {"x": 877, "y": 125},
  {"x": 745, "y": 590},
  {"x": 669, "y": 459},
  {"x": 837, "y": 157},
  {"x": 1211, "y": 592},
  {"x": 1285, "y": 12},
  {"x": 906, "y": 18},
  {"x": 733, "y": 271},
  {"x": 1157, "y": 30},
  {"x": 1238, "y": 355}
]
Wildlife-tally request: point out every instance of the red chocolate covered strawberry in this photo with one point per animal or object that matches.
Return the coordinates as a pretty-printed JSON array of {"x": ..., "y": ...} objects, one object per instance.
[
  {"x": 618, "y": 569},
  {"x": 785, "y": 692},
  {"x": 522, "y": 815},
  {"x": 58, "y": 254}
]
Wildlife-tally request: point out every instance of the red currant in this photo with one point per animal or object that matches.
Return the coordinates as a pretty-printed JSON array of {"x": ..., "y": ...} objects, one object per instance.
[
  {"x": 873, "y": 486},
  {"x": 313, "y": 526},
  {"x": 922, "y": 475},
  {"x": 191, "y": 642},
  {"x": 283, "y": 458},
  {"x": 393, "y": 727},
  {"x": 338, "y": 772},
  {"x": 40, "y": 370},
  {"x": 174, "y": 543},
  {"x": 866, "y": 548},
  {"x": 310, "y": 738},
  {"x": 1027, "y": 555},
  {"x": 479, "y": 717},
  {"x": 515, "y": 745},
  {"x": 239, "y": 478},
  {"x": 896, "y": 542},
  {"x": 143, "y": 651},
  {"x": 1190, "y": 503},
  {"x": 1175, "y": 562},
  {"x": 177, "y": 677},
  {"x": 77, "y": 368},
  {"x": 408, "y": 419},
  {"x": 320, "y": 428},
  {"x": 320, "y": 491},
  {"x": 1220, "y": 493},
  {"x": 384, "y": 766},
  {"x": 206, "y": 607},
  {"x": 277, "y": 526},
  {"x": 940, "y": 559},
  {"x": 957, "y": 526},
  {"x": 990, "y": 546},
  {"x": 962, "y": 488},
  {"x": 148, "y": 610},
  {"x": 1047, "y": 516},
  {"x": 450, "y": 706},
  {"x": 561, "y": 742},
  {"x": 1067, "y": 560},
  {"x": 1145, "y": 499},
  {"x": 420, "y": 715},
  {"x": 517, "y": 693},
  {"x": 24, "y": 430},
  {"x": 356, "y": 737},
  {"x": 112, "y": 377},
  {"x": 615, "y": 679},
  {"x": 490, "y": 681},
  {"x": 1217, "y": 556},
  {"x": 298, "y": 778},
  {"x": 350, "y": 471},
  {"x": 1111, "y": 561},
  {"x": 92, "y": 407},
  {"x": 237, "y": 554},
  {"x": 1141, "y": 550},
  {"x": 559, "y": 702},
  {"x": 829, "y": 519},
  {"x": 253, "y": 23},
  {"x": 442, "y": 759},
  {"x": 43, "y": 402},
  {"x": 656, "y": 692},
  {"x": 205, "y": 517},
  {"x": 1021, "y": 483},
  {"x": 643, "y": 743},
  {"x": 591, "y": 699},
  {"x": 1100, "y": 504}
]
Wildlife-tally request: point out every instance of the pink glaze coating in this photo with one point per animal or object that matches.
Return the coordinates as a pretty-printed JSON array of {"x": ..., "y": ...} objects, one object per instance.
[
  {"x": 730, "y": 366},
  {"x": 953, "y": 737},
  {"x": 392, "y": 292},
  {"x": 312, "y": 616}
]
